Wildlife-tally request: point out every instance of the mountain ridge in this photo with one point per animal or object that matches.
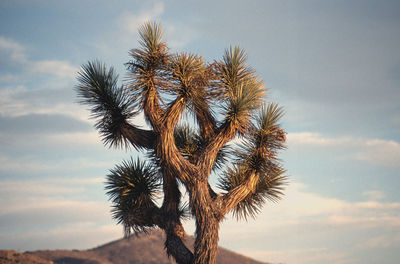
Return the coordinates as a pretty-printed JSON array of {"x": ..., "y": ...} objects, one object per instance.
[{"x": 141, "y": 249}]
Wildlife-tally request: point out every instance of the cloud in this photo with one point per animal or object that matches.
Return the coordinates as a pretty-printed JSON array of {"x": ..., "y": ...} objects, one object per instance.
[
  {"x": 374, "y": 195},
  {"x": 50, "y": 202},
  {"x": 375, "y": 151},
  {"x": 289, "y": 231},
  {"x": 19, "y": 100},
  {"x": 130, "y": 22},
  {"x": 381, "y": 152},
  {"x": 309, "y": 138},
  {"x": 51, "y": 211},
  {"x": 15, "y": 51},
  {"x": 381, "y": 241},
  {"x": 82, "y": 235},
  {"x": 54, "y": 213},
  {"x": 28, "y": 165},
  {"x": 76, "y": 139},
  {"x": 46, "y": 187},
  {"x": 312, "y": 255},
  {"x": 58, "y": 68},
  {"x": 41, "y": 124},
  {"x": 179, "y": 35},
  {"x": 176, "y": 34},
  {"x": 286, "y": 232},
  {"x": 16, "y": 54}
]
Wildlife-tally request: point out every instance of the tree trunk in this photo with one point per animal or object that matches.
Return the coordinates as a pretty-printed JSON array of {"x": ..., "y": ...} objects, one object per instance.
[
  {"x": 177, "y": 249},
  {"x": 207, "y": 224},
  {"x": 206, "y": 243}
]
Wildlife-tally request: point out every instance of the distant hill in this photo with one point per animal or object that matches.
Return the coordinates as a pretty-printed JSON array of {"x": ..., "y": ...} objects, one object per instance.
[
  {"x": 144, "y": 249},
  {"x": 12, "y": 256}
]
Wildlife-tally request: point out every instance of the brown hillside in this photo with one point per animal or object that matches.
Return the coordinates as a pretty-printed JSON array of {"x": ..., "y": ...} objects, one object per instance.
[
  {"x": 12, "y": 256},
  {"x": 144, "y": 249}
]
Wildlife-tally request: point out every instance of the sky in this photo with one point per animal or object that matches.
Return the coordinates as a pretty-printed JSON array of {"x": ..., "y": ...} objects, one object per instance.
[{"x": 333, "y": 65}]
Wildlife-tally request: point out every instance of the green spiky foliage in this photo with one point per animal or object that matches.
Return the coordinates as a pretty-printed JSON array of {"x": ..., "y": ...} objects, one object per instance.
[
  {"x": 226, "y": 100},
  {"x": 112, "y": 105},
  {"x": 133, "y": 187},
  {"x": 258, "y": 154}
]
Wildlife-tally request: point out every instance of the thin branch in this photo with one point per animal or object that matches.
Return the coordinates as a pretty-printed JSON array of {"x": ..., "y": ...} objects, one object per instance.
[
  {"x": 206, "y": 121},
  {"x": 151, "y": 107},
  {"x": 232, "y": 198},
  {"x": 139, "y": 137},
  {"x": 173, "y": 113},
  {"x": 173, "y": 161},
  {"x": 177, "y": 249},
  {"x": 209, "y": 155}
]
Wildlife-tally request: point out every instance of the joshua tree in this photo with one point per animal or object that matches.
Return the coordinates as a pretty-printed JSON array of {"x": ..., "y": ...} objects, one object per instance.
[{"x": 194, "y": 110}]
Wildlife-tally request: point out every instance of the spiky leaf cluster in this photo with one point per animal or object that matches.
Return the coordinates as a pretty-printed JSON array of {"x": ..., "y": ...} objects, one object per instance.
[
  {"x": 265, "y": 139},
  {"x": 147, "y": 63},
  {"x": 267, "y": 188},
  {"x": 133, "y": 187},
  {"x": 258, "y": 155},
  {"x": 191, "y": 77},
  {"x": 244, "y": 92},
  {"x": 111, "y": 104}
]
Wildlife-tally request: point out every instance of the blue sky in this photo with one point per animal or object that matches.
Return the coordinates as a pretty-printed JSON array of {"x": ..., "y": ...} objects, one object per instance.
[{"x": 333, "y": 65}]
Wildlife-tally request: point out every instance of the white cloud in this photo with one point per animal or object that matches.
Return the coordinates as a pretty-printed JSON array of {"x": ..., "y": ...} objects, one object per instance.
[
  {"x": 381, "y": 152},
  {"x": 44, "y": 207},
  {"x": 130, "y": 23},
  {"x": 34, "y": 165},
  {"x": 275, "y": 235},
  {"x": 81, "y": 235},
  {"x": 19, "y": 101},
  {"x": 179, "y": 35},
  {"x": 15, "y": 50},
  {"x": 381, "y": 241},
  {"x": 176, "y": 35},
  {"x": 17, "y": 55},
  {"x": 374, "y": 151},
  {"x": 10, "y": 106},
  {"x": 374, "y": 195},
  {"x": 46, "y": 187},
  {"x": 308, "y": 138},
  {"x": 53, "y": 213},
  {"x": 295, "y": 256},
  {"x": 54, "y": 67},
  {"x": 75, "y": 139}
]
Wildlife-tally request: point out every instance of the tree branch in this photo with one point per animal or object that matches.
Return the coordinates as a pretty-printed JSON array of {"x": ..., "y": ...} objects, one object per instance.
[
  {"x": 206, "y": 121},
  {"x": 173, "y": 160},
  {"x": 151, "y": 107},
  {"x": 232, "y": 198},
  {"x": 177, "y": 249},
  {"x": 173, "y": 113},
  {"x": 139, "y": 137},
  {"x": 209, "y": 155}
]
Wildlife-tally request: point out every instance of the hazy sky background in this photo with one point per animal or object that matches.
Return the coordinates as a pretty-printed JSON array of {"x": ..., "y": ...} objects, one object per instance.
[{"x": 333, "y": 65}]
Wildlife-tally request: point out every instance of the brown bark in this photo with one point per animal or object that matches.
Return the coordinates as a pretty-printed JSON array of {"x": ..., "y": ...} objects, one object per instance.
[
  {"x": 175, "y": 235},
  {"x": 139, "y": 137},
  {"x": 206, "y": 243},
  {"x": 209, "y": 155},
  {"x": 229, "y": 200},
  {"x": 206, "y": 122},
  {"x": 207, "y": 224},
  {"x": 177, "y": 249}
]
